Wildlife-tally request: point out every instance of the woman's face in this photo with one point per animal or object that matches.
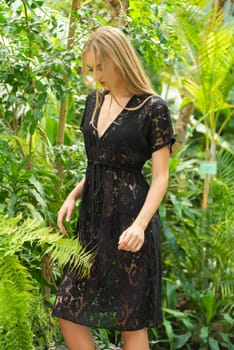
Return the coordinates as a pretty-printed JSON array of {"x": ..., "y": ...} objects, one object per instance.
[{"x": 103, "y": 76}]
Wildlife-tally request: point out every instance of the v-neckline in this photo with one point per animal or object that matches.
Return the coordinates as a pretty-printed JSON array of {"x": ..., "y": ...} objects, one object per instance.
[{"x": 114, "y": 120}]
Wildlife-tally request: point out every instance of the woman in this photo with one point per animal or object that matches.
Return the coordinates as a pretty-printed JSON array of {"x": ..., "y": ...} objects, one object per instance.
[{"x": 124, "y": 125}]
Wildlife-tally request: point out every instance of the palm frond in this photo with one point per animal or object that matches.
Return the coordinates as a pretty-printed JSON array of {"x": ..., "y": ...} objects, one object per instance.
[
  {"x": 210, "y": 54},
  {"x": 198, "y": 94},
  {"x": 189, "y": 25},
  {"x": 221, "y": 243},
  {"x": 225, "y": 168},
  {"x": 216, "y": 57}
]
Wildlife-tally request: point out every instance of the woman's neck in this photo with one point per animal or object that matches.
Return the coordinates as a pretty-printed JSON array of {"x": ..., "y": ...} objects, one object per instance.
[{"x": 121, "y": 93}]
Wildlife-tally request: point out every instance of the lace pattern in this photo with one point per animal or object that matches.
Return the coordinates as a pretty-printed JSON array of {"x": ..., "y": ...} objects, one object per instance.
[{"x": 123, "y": 291}]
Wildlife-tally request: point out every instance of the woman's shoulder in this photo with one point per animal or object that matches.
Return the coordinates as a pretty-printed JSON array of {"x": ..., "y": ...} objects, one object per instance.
[
  {"x": 157, "y": 100},
  {"x": 151, "y": 102}
]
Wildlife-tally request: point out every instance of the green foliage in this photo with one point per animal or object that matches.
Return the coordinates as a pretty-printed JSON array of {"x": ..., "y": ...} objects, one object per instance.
[
  {"x": 19, "y": 292},
  {"x": 104, "y": 339},
  {"x": 199, "y": 266},
  {"x": 32, "y": 230},
  {"x": 207, "y": 70},
  {"x": 24, "y": 190},
  {"x": 148, "y": 34},
  {"x": 34, "y": 61},
  {"x": 181, "y": 44},
  {"x": 16, "y": 309}
]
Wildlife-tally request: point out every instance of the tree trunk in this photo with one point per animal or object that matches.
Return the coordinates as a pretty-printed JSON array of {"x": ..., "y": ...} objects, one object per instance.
[
  {"x": 181, "y": 125},
  {"x": 46, "y": 270},
  {"x": 219, "y": 3}
]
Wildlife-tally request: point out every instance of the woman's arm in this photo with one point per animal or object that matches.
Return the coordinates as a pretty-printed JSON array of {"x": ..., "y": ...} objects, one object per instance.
[
  {"x": 69, "y": 205},
  {"x": 132, "y": 238}
]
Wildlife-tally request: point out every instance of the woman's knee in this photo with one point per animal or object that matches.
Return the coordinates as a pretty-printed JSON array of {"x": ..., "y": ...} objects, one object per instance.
[
  {"x": 134, "y": 340},
  {"x": 77, "y": 337}
]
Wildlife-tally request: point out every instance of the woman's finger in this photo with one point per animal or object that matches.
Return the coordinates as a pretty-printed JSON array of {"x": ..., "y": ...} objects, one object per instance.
[
  {"x": 61, "y": 215},
  {"x": 123, "y": 237},
  {"x": 129, "y": 242},
  {"x": 62, "y": 228},
  {"x": 69, "y": 215}
]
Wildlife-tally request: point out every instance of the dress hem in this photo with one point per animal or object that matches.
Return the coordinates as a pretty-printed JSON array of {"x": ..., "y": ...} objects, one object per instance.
[{"x": 87, "y": 324}]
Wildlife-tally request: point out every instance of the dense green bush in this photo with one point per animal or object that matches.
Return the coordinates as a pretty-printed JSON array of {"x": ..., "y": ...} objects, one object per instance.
[
  {"x": 176, "y": 42},
  {"x": 22, "y": 312}
]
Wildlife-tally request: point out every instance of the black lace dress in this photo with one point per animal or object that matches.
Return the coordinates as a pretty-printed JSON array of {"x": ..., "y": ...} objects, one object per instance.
[{"x": 123, "y": 291}]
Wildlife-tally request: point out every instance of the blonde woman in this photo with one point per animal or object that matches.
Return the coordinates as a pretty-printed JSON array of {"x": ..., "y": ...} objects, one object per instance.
[{"x": 124, "y": 124}]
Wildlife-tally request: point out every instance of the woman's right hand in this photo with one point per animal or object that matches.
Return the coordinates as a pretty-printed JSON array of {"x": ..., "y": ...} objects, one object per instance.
[{"x": 65, "y": 212}]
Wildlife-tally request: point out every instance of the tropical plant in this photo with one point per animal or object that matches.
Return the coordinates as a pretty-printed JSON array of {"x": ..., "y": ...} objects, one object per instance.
[
  {"x": 181, "y": 45},
  {"x": 38, "y": 71},
  {"x": 19, "y": 292},
  {"x": 199, "y": 264},
  {"x": 209, "y": 80},
  {"x": 198, "y": 261}
]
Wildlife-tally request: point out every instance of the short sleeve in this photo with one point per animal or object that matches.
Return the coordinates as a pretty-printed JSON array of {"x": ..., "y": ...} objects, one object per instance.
[{"x": 161, "y": 130}]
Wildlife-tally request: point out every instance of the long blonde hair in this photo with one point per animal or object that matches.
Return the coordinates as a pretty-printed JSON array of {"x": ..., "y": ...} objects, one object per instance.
[{"x": 110, "y": 42}]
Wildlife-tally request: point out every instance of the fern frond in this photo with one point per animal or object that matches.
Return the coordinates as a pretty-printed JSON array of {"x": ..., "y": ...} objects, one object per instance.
[
  {"x": 70, "y": 251},
  {"x": 12, "y": 270},
  {"x": 16, "y": 331},
  {"x": 64, "y": 250},
  {"x": 16, "y": 286},
  {"x": 16, "y": 305}
]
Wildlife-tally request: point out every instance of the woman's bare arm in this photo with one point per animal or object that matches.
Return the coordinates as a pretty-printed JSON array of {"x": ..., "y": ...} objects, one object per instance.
[
  {"x": 132, "y": 238},
  {"x": 69, "y": 205}
]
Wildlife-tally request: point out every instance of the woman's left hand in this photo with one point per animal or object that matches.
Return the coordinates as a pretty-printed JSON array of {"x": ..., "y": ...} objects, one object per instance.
[{"x": 132, "y": 239}]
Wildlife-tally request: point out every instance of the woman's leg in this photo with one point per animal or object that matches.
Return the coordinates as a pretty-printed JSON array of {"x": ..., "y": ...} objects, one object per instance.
[
  {"x": 136, "y": 340},
  {"x": 77, "y": 337}
]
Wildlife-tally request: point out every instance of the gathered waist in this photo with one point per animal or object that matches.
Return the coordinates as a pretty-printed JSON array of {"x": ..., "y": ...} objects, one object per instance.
[
  {"x": 96, "y": 181},
  {"x": 133, "y": 168}
]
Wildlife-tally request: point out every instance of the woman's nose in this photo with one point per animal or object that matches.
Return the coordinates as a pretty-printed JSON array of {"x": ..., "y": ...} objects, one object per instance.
[{"x": 98, "y": 75}]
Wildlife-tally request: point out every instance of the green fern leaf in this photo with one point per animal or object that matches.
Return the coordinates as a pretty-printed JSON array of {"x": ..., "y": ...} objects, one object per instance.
[
  {"x": 64, "y": 250},
  {"x": 16, "y": 305},
  {"x": 69, "y": 251}
]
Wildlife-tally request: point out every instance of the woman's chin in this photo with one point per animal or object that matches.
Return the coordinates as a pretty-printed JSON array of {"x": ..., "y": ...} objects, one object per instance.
[{"x": 104, "y": 86}]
